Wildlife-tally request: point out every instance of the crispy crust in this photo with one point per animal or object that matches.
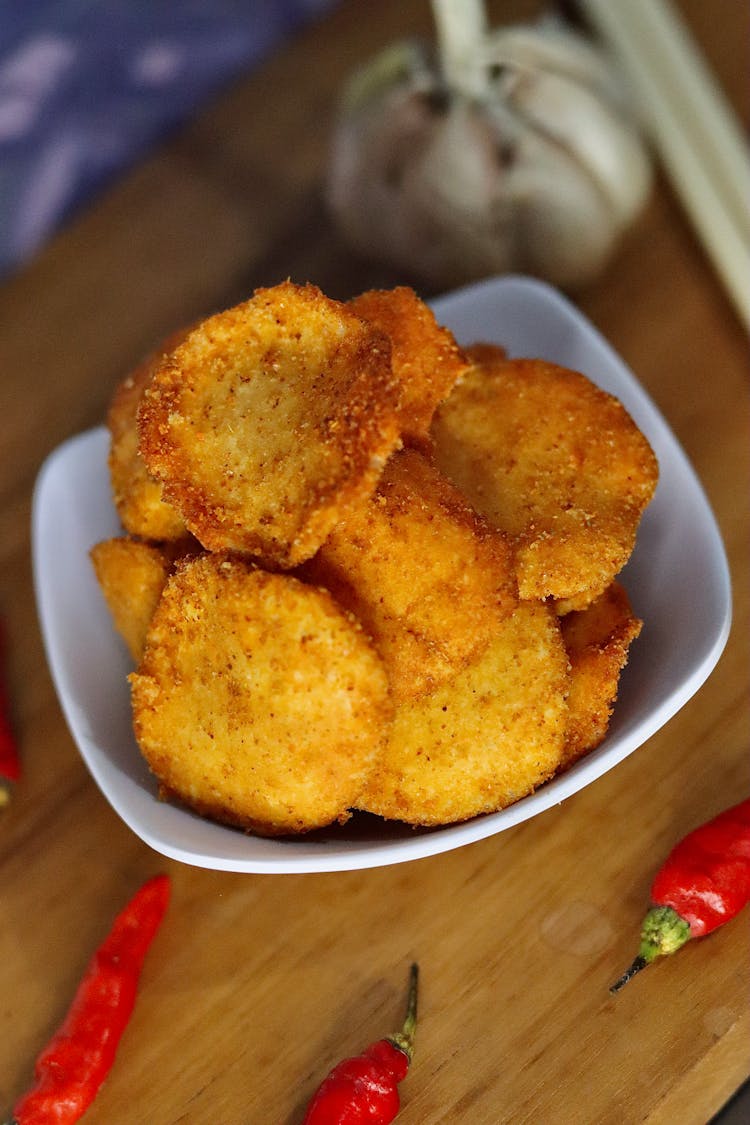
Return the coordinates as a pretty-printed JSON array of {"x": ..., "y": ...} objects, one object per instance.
[
  {"x": 597, "y": 641},
  {"x": 131, "y": 575},
  {"x": 416, "y": 685},
  {"x": 422, "y": 571},
  {"x": 270, "y": 421},
  {"x": 486, "y": 738},
  {"x": 424, "y": 355},
  {"x": 137, "y": 496},
  {"x": 553, "y": 461},
  {"x": 258, "y": 702}
]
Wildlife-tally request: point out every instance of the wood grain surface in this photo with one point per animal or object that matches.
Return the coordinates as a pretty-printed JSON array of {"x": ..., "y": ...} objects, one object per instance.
[{"x": 257, "y": 984}]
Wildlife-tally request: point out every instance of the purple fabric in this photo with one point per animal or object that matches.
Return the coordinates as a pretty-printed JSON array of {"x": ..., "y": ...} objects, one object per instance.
[{"x": 87, "y": 86}]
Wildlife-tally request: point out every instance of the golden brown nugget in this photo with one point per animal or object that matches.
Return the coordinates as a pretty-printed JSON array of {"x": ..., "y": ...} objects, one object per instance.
[
  {"x": 488, "y": 737},
  {"x": 270, "y": 420},
  {"x": 553, "y": 461},
  {"x": 580, "y": 601},
  {"x": 597, "y": 641},
  {"x": 424, "y": 355},
  {"x": 258, "y": 702},
  {"x": 137, "y": 496},
  {"x": 422, "y": 571},
  {"x": 131, "y": 575}
]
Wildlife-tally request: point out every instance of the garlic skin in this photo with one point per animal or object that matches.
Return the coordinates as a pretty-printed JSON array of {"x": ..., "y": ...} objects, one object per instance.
[{"x": 529, "y": 162}]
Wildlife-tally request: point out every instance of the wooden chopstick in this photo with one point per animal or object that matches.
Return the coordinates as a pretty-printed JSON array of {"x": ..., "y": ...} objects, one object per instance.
[{"x": 691, "y": 125}]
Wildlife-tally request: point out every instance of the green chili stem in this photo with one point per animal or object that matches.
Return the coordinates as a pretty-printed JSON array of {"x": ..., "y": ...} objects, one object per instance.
[
  {"x": 404, "y": 1039},
  {"x": 663, "y": 932}
]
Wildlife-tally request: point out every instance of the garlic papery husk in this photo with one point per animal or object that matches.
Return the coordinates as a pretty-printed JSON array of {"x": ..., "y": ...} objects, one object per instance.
[{"x": 516, "y": 152}]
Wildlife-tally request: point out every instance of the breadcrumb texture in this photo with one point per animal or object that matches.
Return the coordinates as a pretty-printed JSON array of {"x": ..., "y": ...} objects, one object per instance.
[
  {"x": 484, "y": 739},
  {"x": 363, "y": 567},
  {"x": 423, "y": 572},
  {"x": 258, "y": 702},
  {"x": 131, "y": 575},
  {"x": 597, "y": 641},
  {"x": 137, "y": 496},
  {"x": 553, "y": 461},
  {"x": 270, "y": 420},
  {"x": 425, "y": 356}
]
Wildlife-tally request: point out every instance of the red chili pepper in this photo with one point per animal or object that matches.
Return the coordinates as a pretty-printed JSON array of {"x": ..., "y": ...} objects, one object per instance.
[
  {"x": 365, "y": 1088},
  {"x": 703, "y": 883},
  {"x": 10, "y": 765},
  {"x": 72, "y": 1067}
]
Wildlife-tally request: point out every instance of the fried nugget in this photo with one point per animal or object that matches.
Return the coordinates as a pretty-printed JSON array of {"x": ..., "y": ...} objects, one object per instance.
[
  {"x": 597, "y": 641},
  {"x": 553, "y": 461},
  {"x": 137, "y": 496},
  {"x": 424, "y": 355},
  {"x": 270, "y": 420},
  {"x": 258, "y": 702},
  {"x": 131, "y": 575},
  {"x": 484, "y": 739},
  {"x": 422, "y": 571}
]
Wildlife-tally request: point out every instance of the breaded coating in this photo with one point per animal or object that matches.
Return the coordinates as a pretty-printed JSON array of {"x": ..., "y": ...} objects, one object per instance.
[
  {"x": 424, "y": 355},
  {"x": 364, "y": 568},
  {"x": 597, "y": 641},
  {"x": 131, "y": 575},
  {"x": 553, "y": 461},
  {"x": 258, "y": 702},
  {"x": 486, "y": 738},
  {"x": 270, "y": 420},
  {"x": 422, "y": 571},
  {"x": 137, "y": 496},
  {"x": 580, "y": 601}
]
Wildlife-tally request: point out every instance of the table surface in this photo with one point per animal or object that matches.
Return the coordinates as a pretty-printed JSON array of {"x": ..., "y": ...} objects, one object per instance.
[{"x": 257, "y": 984}]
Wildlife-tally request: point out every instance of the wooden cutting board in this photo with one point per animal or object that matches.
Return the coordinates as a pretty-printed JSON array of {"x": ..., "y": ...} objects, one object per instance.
[{"x": 258, "y": 984}]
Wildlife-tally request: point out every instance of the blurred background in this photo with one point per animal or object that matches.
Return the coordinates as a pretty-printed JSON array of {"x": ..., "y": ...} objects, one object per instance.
[{"x": 89, "y": 86}]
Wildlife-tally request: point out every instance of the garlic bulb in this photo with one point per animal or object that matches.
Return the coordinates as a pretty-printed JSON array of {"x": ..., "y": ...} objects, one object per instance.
[{"x": 512, "y": 149}]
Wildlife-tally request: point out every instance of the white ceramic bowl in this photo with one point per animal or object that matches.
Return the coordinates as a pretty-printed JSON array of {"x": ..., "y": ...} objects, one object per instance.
[{"x": 677, "y": 579}]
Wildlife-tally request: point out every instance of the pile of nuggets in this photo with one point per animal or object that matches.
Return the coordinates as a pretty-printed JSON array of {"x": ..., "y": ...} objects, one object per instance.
[{"x": 363, "y": 568}]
